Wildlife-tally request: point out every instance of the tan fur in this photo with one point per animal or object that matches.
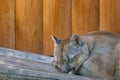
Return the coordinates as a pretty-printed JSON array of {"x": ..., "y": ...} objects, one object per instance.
[{"x": 95, "y": 54}]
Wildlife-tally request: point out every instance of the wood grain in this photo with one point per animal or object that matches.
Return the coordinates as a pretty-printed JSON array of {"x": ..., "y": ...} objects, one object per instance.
[
  {"x": 7, "y": 33},
  {"x": 26, "y": 64},
  {"x": 110, "y": 15},
  {"x": 29, "y": 25},
  {"x": 28, "y": 74},
  {"x": 26, "y": 55},
  {"x": 85, "y": 16},
  {"x": 57, "y": 21}
]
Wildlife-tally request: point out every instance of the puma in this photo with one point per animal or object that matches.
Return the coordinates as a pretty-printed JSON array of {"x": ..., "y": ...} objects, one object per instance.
[{"x": 95, "y": 54}]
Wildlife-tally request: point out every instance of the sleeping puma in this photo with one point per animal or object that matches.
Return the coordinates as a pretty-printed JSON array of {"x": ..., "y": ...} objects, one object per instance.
[{"x": 95, "y": 54}]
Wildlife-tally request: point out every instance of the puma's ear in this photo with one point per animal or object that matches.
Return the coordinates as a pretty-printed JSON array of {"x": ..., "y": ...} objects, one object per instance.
[
  {"x": 56, "y": 40},
  {"x": 76, "y": 40},
  {"x": 74, "y": 37}
]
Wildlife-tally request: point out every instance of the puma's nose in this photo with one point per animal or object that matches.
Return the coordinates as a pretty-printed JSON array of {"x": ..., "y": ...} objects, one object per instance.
[{"x": 71, "y": 66}]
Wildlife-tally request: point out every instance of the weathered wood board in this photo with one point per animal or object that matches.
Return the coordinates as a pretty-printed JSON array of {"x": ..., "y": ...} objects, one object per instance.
[{"x": 17, "y": 65}]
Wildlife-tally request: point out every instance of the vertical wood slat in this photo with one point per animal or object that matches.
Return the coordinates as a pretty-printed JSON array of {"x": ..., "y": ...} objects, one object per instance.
[
  {"x": 57, "y": 21},
  {"x": 7, "y": 34},
  {"x": 85, "y": 16},
  {"x": 29, "y": 25},
  {"x": 110, "y": 15}
]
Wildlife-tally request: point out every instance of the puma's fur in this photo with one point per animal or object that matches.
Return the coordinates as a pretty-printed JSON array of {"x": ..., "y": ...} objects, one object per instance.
[{"x": 95, "y": 54}]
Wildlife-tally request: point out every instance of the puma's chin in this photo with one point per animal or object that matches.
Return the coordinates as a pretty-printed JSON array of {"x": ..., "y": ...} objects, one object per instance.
[{"x": 64, "y": 70}]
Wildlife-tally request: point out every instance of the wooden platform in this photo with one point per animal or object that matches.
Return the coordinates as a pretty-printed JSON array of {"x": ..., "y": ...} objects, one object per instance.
[{"x": 18, "y": 65}]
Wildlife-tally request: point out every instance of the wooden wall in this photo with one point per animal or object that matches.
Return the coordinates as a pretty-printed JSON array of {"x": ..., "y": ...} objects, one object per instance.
[
  {"x": 7, "y": 18},
  {"x": 110, "y": 15},
  {"x": 85, "y": 16},
  {"x": 28, "y": 24},
  {"x": 57, "y": 21}
]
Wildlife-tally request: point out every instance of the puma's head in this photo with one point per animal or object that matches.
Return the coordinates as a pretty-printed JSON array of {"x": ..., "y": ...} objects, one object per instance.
[{"x": 69, "y": 54}]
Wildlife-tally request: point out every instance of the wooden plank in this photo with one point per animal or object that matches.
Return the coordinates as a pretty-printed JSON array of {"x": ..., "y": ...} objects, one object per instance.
[
  {"x": 7, "y": 33},
  {"x": 57, "y": 21},
  {"x": 19, "y": 77},
  {"x": 110, "y": 15},
  {"x": 27, "y": 64},
  {"x": 85, "y": 16},
  {"x": 29, "y": 25},
  {"x": 40, "y": 74},
  {"x": 25, "y": 55}
]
